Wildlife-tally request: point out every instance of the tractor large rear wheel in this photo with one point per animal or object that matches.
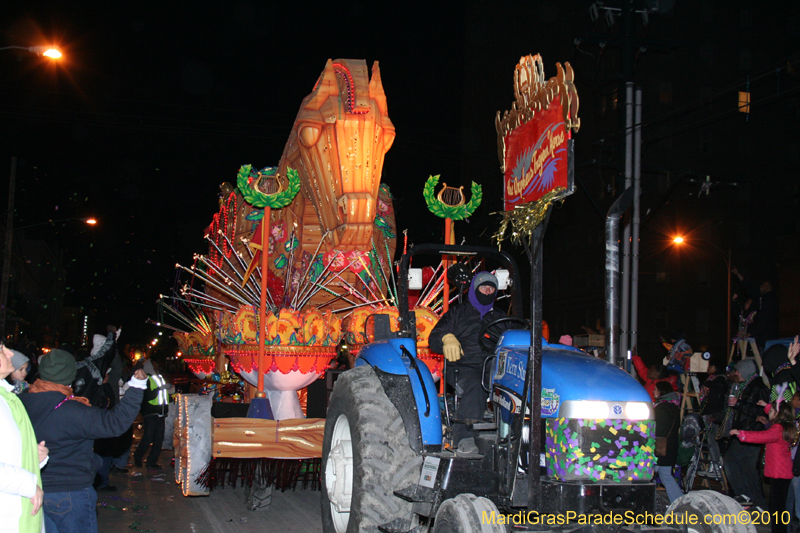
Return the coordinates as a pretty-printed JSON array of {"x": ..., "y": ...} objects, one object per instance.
[{"x": 365, "y": 457}]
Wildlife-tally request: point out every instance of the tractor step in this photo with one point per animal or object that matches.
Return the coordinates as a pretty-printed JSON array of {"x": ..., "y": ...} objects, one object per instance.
[{"x": 416, "y": 494}]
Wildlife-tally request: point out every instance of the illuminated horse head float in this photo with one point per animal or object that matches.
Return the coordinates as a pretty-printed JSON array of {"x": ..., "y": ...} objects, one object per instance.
[{"x": 339, "y": 139}]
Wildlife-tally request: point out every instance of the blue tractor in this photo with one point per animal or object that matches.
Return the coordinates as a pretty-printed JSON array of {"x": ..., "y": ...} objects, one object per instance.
[{"x": 388, "y": 466}]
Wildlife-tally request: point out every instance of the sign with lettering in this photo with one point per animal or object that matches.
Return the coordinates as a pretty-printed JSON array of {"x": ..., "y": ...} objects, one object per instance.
[
  {"x": 536, "y": 157},
  {"x": 533, "y": 137}
]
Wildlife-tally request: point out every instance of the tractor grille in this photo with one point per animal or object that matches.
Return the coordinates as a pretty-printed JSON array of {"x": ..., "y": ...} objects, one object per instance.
[{"x": 600, "y": 450}]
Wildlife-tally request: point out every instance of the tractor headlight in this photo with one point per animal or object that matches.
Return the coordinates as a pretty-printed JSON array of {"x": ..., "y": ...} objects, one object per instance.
[
  {"x": 637, "y": 411},
  {"x": 602, "y": 410}
]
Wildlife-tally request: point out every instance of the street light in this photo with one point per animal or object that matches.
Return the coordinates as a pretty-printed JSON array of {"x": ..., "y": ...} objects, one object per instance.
[
  {"x": 48, "y": 51},
  {"x": 88, "y": 220},
  {"x": 727, "y": 258}
]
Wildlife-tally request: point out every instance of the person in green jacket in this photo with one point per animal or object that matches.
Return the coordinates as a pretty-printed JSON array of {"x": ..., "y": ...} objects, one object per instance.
[{"x": 21, "y": 492}]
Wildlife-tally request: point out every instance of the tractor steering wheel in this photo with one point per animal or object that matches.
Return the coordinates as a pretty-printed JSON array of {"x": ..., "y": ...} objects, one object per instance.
[{"x": 485, "y": 334}]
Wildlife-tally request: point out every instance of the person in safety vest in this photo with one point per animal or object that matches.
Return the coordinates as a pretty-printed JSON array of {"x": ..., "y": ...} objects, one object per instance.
[{"x": 155, "y": 406}]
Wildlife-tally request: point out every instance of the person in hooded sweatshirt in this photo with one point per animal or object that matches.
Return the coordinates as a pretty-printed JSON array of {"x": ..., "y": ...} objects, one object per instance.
[
  {"x": 91, "y": 372},
  {"x": 69, "y": 425},
  {"x": 456, "y": 336}
]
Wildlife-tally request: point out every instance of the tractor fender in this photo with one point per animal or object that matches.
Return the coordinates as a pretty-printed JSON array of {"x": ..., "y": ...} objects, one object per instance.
[{"x": 409, "y": 385}]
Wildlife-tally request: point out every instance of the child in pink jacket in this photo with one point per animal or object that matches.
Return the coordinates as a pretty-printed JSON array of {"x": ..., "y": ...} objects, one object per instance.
[{"x": 779, "y": 439}]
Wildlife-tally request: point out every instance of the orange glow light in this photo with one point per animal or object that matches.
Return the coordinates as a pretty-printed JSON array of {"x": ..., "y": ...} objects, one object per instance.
[
  {"x": 52, "y": 53},
  {"x": 91, "y": 221},
  {"x": 678, "y": 240}
]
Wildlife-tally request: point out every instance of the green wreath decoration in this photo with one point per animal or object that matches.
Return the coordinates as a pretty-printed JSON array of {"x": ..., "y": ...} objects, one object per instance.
[
  {"x": 260, "y": 200},
  {"x": 452, "y": 212}
]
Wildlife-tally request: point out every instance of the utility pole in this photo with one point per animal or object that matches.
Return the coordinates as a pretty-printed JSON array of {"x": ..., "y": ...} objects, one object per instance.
[
  {"x": 12, "y": 179},
  {"x": 636, "y": 220},
  {"x": 624, "y": 316},
  {"x": 628, "y": 43}
]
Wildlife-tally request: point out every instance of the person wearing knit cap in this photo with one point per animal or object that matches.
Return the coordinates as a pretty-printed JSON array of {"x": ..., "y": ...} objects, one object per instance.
[
  {"x": 69, "y": 425},
  {"x": 747, "y": 368},
  {"x": 21, "y": 364},
  {"x": 456, "y": 335},
  {"x": 741, "y": 459}
]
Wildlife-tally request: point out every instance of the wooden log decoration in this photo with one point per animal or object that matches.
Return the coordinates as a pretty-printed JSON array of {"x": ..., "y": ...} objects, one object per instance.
[{"x": 257, "y": 438}]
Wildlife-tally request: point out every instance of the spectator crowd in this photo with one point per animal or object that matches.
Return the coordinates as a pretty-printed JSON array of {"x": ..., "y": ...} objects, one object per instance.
[
  {"x": 749, "y": 412},
  {"x": 66, "y": 423}
]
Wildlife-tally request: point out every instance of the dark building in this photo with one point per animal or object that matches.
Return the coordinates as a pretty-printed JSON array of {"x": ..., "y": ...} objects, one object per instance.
[{"x": 710, "y": 171}]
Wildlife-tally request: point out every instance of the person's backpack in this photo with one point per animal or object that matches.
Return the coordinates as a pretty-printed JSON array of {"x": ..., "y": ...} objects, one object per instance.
[
  {"x": 690, "y": 435},
  {"x": 691, "y": 428}
]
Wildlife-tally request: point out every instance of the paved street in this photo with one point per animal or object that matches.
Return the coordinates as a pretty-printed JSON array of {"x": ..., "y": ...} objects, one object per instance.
[
  {"x": 151, "y": 501},
  {"x": 148, "y": 500}
]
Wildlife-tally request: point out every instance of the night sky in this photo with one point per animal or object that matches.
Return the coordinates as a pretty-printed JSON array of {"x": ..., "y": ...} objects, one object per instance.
[{"x": 155, "y": 104}]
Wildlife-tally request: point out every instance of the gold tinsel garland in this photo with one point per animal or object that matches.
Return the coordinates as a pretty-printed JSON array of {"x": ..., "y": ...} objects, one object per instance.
[{"x": 525, "y": 218}]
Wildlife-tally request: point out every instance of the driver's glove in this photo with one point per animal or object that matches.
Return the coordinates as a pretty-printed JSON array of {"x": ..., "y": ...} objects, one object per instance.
[{"x": 452, "y": 348}]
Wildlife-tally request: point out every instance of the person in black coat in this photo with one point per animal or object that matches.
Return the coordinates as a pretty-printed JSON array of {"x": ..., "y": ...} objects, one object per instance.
[
  {"x": 741, "y": 459},
  {"x": 668, "y": 424},
  {"x": 456, "y": 335},
  {"x": 69, "y": 425}
]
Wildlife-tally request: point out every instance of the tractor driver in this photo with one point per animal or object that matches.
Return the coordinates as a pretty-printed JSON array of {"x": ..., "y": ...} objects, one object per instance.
[{"x": 456, "y": 335}]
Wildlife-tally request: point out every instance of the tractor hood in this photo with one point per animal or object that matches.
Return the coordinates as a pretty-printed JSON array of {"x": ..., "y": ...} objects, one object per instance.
[{"x": 574, "y": 384}]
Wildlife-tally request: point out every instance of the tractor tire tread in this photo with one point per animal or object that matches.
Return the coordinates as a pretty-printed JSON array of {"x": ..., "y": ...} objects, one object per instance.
[{"x": 383, "y": 460}]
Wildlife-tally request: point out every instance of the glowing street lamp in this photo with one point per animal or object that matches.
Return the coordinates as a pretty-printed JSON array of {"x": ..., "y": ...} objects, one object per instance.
[
  {"x": 678, "y": 239},
  {"x": 48, "y": 51},
  {"x": 90, "y": 221},
  {"x": 52, "y": 53}
]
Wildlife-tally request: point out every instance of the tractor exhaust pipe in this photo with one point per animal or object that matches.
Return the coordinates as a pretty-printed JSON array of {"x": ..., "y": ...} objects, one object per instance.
[{"x": 612, "y": 272}]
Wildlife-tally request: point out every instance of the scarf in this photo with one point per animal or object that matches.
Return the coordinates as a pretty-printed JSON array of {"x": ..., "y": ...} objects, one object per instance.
[
  {"x": 20, "y": 386},
  {"x": 727, "y": 419},
  {"x": 673, "y": 398},
  {"x": 101, "y": 347},
  {"x": 41, "y": 385}
]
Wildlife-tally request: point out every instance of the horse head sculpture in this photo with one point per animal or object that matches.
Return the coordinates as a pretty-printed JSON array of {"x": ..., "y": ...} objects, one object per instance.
[{"x": 337, "y": 145}]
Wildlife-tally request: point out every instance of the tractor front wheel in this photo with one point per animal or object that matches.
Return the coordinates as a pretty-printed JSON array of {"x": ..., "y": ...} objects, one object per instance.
[
  {"x": 708, "y": 511},
  {"x": 467, "y": 513},
  {"x": 365, "y": 457}
]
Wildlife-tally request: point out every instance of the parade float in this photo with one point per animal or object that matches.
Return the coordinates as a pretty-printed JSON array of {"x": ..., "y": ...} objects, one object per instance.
[{"x": 300, "y": 262}]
